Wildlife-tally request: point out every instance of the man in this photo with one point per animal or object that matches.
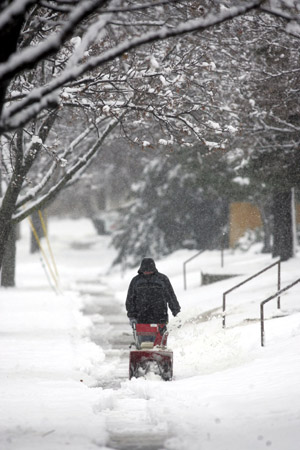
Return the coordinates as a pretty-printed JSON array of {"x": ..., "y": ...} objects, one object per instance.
[{"x": 149, "y": 295}]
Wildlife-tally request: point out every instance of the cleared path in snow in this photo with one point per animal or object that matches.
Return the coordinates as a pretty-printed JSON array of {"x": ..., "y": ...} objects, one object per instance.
[{"x": 112, "y": 333}]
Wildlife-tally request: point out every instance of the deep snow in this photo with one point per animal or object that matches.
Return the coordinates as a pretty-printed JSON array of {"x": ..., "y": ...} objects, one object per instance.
[{"x": 228, "y": 392}]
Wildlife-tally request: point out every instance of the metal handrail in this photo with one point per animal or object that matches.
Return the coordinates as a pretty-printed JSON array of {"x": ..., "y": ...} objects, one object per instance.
[
  {"x": 184, "y": 266},
  {"x": 262, "y": 318},
  {"x": 251, "y": 278},
  {"x": 199, "y": 253}
]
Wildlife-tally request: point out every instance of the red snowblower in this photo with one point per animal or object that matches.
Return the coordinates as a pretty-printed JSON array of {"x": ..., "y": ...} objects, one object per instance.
[{"x": 151, "y": 354}]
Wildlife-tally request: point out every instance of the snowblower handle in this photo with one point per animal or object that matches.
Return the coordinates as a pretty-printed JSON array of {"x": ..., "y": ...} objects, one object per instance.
[{"x": 134, "y": 333}]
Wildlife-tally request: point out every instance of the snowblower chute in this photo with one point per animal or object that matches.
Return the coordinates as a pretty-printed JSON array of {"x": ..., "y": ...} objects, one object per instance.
[{"x": 151, "y": 354}]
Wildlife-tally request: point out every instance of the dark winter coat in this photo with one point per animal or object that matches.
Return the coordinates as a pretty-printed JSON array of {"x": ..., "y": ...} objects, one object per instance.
[{"x": 149, "y": 296}]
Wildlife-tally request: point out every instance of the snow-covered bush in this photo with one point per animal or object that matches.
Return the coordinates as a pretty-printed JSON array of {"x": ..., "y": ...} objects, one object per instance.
[
  {"x": 249, "y": 238},
  {"x": 179, "y": 201}
]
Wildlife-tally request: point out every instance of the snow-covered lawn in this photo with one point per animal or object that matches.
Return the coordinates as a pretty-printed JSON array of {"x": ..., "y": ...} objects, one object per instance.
[{"x": 228, "y": 392}]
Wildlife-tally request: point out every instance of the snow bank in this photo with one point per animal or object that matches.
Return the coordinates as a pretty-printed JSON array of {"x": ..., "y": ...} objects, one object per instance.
[{"x": 46, "y": 367}]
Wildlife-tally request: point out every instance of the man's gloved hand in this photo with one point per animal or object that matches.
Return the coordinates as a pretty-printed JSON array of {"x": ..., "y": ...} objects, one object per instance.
[
  {"x": 132, "y": 321},
  {"x": 178, "y": 320}
]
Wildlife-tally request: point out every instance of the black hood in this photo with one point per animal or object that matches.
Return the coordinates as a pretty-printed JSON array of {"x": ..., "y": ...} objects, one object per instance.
[{"x": 147, "y": 265}]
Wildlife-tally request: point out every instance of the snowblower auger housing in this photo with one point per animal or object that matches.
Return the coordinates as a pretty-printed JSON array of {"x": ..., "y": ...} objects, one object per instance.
[{"x": 151, "y": 354}]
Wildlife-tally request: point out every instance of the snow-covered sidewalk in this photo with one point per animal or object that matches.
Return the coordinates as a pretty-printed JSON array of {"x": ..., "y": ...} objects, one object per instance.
[
  {"x": 227, "y": 392},
  {"x": 47, "y": 359},
  {"x": 45, "y": 403}
]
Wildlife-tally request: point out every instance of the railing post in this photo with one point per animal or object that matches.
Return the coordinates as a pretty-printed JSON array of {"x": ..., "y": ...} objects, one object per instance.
[
  {"x": 262, "y": 326},
  {"x": 184, "y": 267},
  {"x": 222, "y": 249},
  {"x": 279, "y": 283},
  {"x": 224, "y": 309},
  {"x": 248, "y": 279},
  {"x": 277, "y": 294}
]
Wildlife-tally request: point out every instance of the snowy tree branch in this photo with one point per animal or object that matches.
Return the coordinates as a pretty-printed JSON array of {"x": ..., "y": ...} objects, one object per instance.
[
  {"x": 42, "y": 97},
  {"x": 79, "y": 164},
  {"x": 29, "y": 57}
]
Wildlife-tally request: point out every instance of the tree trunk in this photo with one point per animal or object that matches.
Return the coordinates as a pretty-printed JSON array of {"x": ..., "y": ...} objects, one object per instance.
[
  {"x": 6, "y": 212},
  {"x": 5, "y": 229},
  {"x": 283, "y": 236},
  {"x": 9, "y": 260},
  {"x": 10, "y": 35},
  {"x": 266, "y": 217}
]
